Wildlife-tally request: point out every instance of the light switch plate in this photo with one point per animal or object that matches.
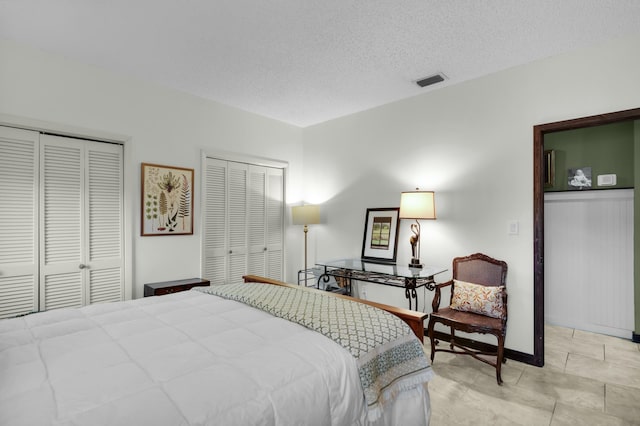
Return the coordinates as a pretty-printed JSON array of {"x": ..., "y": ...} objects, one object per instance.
[{"x": 514, "y": 227}]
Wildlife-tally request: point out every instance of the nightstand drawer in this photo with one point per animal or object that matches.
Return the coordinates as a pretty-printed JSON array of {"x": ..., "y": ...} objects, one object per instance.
[{"x": 167, "y": 287}]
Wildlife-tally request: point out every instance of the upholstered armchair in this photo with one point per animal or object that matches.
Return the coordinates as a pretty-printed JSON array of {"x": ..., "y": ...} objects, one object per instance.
[{"x": 478, "y": 304}]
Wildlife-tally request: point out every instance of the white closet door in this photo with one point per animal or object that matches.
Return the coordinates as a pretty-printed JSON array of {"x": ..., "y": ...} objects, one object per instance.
[
  {"x": 257, "y": 221},
  {"x": 243, "y": 221},
  {"x": 81, "y": 259},
  {"x": 62, "y": 221},
  {"x": 237, "y": 221},
  {"x": 104, "y": 234},
  {"x": 215, "y": 221},
  {"x": 275, "y": 224},
  {"x": 19, "y": 224}
]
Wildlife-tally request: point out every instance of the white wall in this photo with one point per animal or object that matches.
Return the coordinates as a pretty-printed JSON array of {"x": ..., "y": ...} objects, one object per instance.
[
  {"x": 160, "y": 126},
  {"x": 471, "y": 143}
]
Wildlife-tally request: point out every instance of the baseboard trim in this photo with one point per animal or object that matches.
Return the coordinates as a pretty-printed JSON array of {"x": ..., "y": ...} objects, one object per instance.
[
  {"x": 635, "y": 337},
  {"x": 474, "y": 344}
]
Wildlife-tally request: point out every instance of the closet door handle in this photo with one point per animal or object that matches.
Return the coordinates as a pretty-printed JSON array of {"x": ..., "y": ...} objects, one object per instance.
[{"x": 83, "y": 266}]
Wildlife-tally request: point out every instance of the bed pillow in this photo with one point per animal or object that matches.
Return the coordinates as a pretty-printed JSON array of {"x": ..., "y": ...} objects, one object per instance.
[{"x": 477, "y": 298}]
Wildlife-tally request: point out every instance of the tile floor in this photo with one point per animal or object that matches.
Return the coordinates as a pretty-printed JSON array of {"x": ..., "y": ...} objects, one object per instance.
[{"x": 588, "y": 379}]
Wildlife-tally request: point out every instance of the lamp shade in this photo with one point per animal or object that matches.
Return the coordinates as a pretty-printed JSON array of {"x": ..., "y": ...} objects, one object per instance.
[
  {"x": 305, "y": 215},
  {"x": 417, "y": 205}
]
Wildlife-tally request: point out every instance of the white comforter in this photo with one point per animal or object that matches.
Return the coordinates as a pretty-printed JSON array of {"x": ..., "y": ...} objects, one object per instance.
[{"x": 183, "y": 359}]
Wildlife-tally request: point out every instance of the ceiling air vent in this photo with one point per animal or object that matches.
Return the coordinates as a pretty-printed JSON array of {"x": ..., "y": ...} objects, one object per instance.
[{"x": 430, "y": 80}]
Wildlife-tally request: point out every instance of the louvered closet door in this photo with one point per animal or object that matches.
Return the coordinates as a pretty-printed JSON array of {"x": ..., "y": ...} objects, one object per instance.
[
  {"x": 215, "y": 222},
  {"x": 81, "y": 258},
  {"x": 19, "y": 224},
  {"x": 104, "y": 236},
  {"x": 266, "y": 217},
  {"x": 225, "y": 221},
  {"x": 243, "y": 221},
  {"x": 237, "y": 221},
  {"x": 257, "y": 220},
  {"x": 275, "y": 224}
]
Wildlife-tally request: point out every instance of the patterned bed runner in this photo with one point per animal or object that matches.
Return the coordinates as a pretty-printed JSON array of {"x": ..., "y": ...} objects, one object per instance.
[{"x": 389, "y": 356}]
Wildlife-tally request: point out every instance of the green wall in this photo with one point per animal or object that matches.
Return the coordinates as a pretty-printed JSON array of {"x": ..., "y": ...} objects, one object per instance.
[{"x": 607, "y": 149}]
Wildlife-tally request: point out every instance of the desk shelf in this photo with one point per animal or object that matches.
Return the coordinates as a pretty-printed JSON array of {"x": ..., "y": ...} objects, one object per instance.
[
  {"x": 385, "y": 274},
  {"x": 312, "y": 279}
]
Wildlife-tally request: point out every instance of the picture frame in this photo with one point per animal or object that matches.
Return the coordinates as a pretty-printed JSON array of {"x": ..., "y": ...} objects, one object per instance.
[
  {"x": 579, "y": 178},
  {"x": 381, "y": 231},
  {"x": 166, "y": 200},
  {"x": 549, "y": 165}
]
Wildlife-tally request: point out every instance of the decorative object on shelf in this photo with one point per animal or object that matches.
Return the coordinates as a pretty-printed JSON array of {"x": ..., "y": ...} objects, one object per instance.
[
  {"x": 417, "y": 205},
  {"x": 549, "y": 165},
  {"x": 167, "y": 200},
  {"x": 579, "y": 178},
  {"x": 381, "y": 235},
  {"x": 607, "y": 180},
  {"x": 305, "y": 215}
]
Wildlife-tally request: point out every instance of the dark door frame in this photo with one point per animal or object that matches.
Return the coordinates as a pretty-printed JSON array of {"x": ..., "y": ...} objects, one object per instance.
[{"x": 538, "y": 210}]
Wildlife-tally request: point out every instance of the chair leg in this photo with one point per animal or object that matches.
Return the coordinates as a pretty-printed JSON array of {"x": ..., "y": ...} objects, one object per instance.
[
  {"x": 432, "y": 340},
  {"x": 453, "y": 338},
  {"x": 500, "y": 359}
]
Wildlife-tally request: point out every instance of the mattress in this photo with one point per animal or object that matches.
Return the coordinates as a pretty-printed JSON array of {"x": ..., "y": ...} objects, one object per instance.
[{"x": 187, "y": 358}]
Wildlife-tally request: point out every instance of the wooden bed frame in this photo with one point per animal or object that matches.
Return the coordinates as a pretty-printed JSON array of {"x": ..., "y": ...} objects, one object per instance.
[{"x": 414, "y": 319}]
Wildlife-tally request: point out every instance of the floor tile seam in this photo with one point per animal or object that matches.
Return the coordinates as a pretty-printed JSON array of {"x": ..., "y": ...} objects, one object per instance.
[
  {"x": 622, "y": 363},
  {"x": 588, "y": 356},
  {"x": 605, "y": 414},
  {"x": 470, "y": 390},
  {"x": 519, "y": 378},
  {"x": 524, "y": 403},
  {"x": 566, "y": 361},
  {"x": 598, "y": 381},
  {"x": 603, "y": 382},
  {"x": 553, "y": 412},
  {"x": 622, "y": 348},
  {"x": 636, "y": 370},
  {"x": 604, "y": 338},
  {"x": 626, "y": 420}
]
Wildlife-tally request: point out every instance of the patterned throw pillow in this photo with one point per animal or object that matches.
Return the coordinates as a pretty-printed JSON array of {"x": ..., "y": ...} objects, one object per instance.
[{"x": 476, "y": 298}]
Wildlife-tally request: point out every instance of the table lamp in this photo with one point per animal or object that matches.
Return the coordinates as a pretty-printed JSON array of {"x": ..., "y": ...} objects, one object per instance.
[
  {"x": 305, "y": 215},
  {"x": 417, "y": 205}
]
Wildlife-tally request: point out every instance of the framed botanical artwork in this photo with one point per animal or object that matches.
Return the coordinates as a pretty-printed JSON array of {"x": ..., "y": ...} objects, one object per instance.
[
  {"x": 381, "y": 235},
  {"x": 167, "y": 200}
]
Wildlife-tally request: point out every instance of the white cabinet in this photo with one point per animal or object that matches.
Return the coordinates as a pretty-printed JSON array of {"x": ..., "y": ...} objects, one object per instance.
[
  {"x": 63, "y": 245},
  {"x": 243, "y": 221}
]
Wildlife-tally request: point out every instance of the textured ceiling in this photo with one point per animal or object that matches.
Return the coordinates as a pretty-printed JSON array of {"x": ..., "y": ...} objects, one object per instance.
[{"x": 305, "y": 62}]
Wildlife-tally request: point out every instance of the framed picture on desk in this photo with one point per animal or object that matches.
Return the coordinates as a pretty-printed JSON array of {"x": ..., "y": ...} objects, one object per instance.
[{"x": 381, "y": 235}]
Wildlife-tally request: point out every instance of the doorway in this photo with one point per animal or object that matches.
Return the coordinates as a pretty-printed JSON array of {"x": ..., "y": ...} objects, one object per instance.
[{"x": 539, "y": 176}]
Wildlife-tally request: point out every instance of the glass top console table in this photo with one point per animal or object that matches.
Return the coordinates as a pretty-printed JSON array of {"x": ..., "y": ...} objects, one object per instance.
[{"x": 390, "y": 274}]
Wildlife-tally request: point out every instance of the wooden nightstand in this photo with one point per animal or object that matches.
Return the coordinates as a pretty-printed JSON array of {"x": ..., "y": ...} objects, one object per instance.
[{"x": 166, "y": 287}]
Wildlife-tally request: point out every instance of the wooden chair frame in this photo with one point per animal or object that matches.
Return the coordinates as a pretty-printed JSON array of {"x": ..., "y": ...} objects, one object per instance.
[{"x": 481, "y": 269}]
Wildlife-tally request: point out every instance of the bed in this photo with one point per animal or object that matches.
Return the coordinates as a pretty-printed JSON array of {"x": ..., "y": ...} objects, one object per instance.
[{"x": 247, "y": 354}]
